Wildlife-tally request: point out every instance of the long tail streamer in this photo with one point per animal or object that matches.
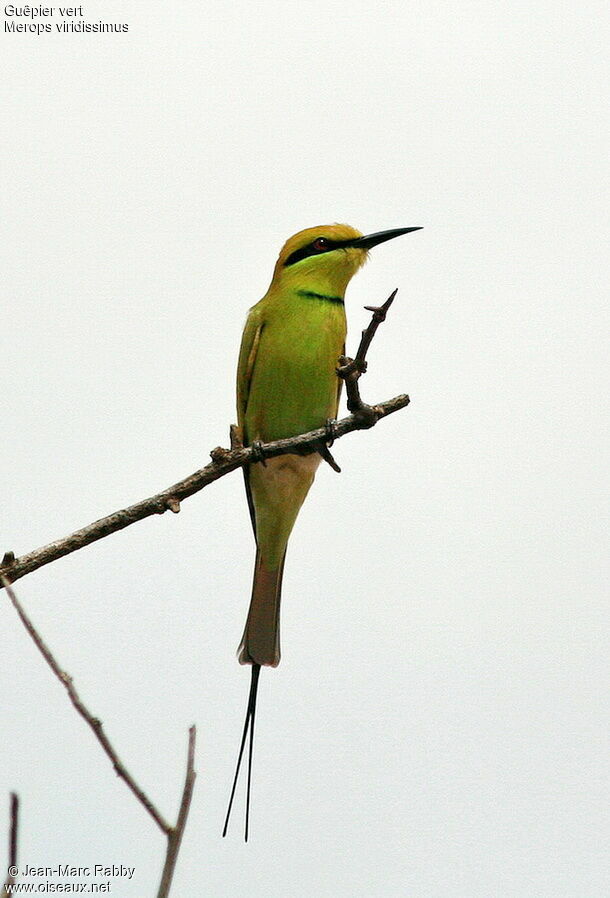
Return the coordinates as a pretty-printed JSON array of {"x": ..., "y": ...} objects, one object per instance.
[{"x": 248, "y": 727}]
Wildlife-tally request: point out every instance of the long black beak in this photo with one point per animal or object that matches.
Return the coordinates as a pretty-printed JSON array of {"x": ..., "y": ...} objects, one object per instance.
[{"x": 371, "y": 240}]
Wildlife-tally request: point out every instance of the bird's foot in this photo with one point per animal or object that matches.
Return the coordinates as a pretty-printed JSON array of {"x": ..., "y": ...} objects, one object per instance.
[
  {"x": 351, "y": 368},
  {"x": 258, "y": 453},
  {"x": 331, "y": 431}
]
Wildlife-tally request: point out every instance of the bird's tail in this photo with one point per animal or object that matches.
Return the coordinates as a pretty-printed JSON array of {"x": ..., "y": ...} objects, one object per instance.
[
  {"x": 248, "y": 726},
  {"x": 260, "y": 643}
]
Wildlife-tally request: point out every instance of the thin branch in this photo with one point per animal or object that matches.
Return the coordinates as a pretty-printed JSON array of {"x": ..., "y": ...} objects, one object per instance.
[
  {"x": 173, "y": 833},
  {"x": 12, "y": 845},
  {"x": 96, "y": 725},
  {"x": 223, "y": 462},
  {"x": 351, "y": 370},
  {"x": 174, "y": 837}
]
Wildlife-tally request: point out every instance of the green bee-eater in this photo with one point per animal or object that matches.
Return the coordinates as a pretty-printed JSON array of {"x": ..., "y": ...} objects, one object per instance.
[{"x": 287, "y": 384}]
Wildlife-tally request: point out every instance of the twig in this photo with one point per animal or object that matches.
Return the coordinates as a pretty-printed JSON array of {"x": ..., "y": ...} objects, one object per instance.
[
  {"x": 175, "y": 833},
  {"x": 96, "y": 725},
  {"x": 351, "y": 370},
  {"x": 174, "y": 837},
  {"x": 12, "y": 845},
  {"x": 223, "y": 462}
]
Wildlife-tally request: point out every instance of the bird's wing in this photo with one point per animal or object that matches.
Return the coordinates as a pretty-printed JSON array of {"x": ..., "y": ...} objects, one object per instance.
[{"x": 247, "y": 358}]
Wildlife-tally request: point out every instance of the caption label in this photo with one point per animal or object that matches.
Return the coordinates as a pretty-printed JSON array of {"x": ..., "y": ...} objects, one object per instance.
[{"x": 56, "y": 19}]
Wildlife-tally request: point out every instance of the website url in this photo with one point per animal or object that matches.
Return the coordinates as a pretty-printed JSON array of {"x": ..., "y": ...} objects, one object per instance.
[{"x": 58, "y": 888}]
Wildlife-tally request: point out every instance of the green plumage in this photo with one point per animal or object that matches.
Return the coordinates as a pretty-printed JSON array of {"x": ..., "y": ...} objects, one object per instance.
[
  {"x": 293, "y": 384},
  {"x": 287, "y": 384}
]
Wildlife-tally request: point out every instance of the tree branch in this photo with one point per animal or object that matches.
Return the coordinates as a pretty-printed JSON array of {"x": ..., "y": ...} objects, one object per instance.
[
  {"x": 12, "y": 845},
  {"x": 94, "y": 723},
  {"x": 351, "y": 370},
  {"x": 174, "y": 837},
  {"x": 173, "y": 833},
  {"x": 223, "y": 462}
]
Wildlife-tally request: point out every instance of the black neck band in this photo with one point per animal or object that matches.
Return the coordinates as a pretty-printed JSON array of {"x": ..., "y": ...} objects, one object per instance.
[{"x": 324, "y": 296}]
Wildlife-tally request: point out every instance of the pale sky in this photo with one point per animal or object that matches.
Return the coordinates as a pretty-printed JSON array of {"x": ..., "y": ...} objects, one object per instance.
[{"x": 438, "y": 726}]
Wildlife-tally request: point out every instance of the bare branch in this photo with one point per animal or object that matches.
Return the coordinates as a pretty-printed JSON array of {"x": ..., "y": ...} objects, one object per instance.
[
  {"x": 12, "y": 845},
  {"x": 96, "y": 725},
  {"x": 351, "y": 370},
  {"x": 174, "y": 837},
  {"x": 173, "y": 833},
  {"x": 223, "y": 462}
]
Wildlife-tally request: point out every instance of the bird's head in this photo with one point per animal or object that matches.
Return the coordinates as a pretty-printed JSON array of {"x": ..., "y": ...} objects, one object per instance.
[{"x": 324, "y": 259}]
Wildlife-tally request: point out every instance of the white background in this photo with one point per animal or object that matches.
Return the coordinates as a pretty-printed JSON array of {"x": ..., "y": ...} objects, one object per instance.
[{"x": 439, "y": 723}]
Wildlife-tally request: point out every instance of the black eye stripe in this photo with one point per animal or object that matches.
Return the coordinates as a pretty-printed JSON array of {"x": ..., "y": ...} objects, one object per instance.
[{"x": 312, "y": 250}]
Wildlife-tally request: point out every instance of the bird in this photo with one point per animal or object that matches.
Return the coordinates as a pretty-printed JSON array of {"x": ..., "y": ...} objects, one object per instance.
[{"x": 287, "y": 384}]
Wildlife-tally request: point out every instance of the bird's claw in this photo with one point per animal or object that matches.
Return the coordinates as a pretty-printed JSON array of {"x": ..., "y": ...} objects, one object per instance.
[
  {"x": 349, "y": 367},
  {"x": 331, "y": 431},
  {"x": 258, "y": 453}
]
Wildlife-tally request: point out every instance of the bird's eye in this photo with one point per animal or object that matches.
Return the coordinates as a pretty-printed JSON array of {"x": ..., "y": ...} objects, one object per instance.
[{"x": 321, "y": 243}]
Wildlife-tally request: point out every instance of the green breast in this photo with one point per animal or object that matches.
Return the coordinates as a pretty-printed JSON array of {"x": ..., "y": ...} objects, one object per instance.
[{"x": 294, "y": 382}]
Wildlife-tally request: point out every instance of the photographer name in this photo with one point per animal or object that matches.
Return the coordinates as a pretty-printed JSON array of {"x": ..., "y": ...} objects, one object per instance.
[{"x": 114, "y": 871}]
